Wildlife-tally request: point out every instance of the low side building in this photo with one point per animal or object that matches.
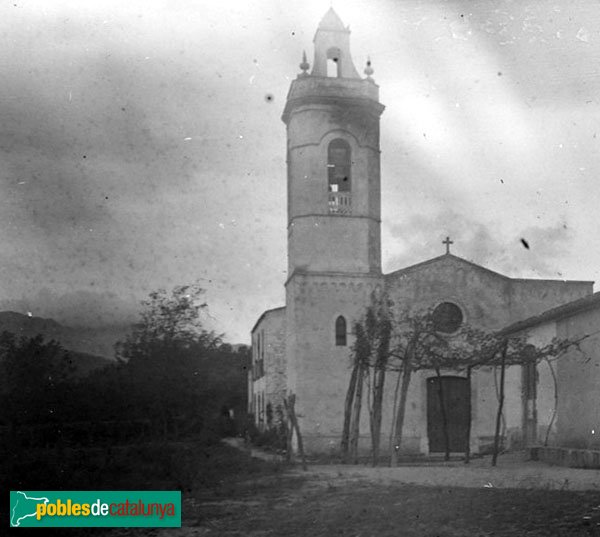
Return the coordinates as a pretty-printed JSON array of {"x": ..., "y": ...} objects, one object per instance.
[
  {"x": 566, "y": 409},
  {"x": 267, "y": 377}
]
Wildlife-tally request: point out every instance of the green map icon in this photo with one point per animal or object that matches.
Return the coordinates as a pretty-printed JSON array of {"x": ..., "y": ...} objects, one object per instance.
[{"x": 23, "y": 507}]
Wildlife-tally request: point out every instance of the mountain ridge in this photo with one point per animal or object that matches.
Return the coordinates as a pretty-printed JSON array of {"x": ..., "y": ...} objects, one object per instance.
[{"x": 97, "y": 341}]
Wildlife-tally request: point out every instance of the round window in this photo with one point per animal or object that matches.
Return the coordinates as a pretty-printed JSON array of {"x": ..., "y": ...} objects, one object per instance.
[{"x": 447, "y": 317}]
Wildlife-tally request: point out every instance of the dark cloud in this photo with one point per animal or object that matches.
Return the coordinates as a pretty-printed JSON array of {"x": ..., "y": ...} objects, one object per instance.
[
  {"x": 79, "y": 308},
  {"x": 137, "y": 149},
  {"x": 129, "y": 161}
]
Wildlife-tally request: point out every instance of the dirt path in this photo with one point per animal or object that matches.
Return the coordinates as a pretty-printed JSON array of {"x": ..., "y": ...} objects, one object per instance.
[
  {"x": 257, "y": 453},
  {"x": 524, "y": 475},
  {"x": 513, "y": 471}
]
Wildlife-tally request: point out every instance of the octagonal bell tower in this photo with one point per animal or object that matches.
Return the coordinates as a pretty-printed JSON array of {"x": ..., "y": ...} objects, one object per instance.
[
  {"x": 332, "y": 118},
  {"x": 334, "y": 252}
]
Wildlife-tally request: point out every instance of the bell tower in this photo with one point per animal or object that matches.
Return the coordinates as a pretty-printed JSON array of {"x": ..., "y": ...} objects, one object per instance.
[
  {"x": 332, "y": 118},
  {"x": 334, "y": 252}
]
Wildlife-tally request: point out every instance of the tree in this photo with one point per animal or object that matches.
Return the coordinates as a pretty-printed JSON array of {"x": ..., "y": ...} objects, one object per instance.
[
  {"x": 417, "y": 345},
  {"x": 163, "y": 355},
  {"x": 169, "y": 321},
  {"x": 35, "y": 378},
  {"x": 402, "y": 345},
  {"x": 369, "y": 353},
  {"x": 361, "y": 351},
  {"x": 379, "y": 330}
]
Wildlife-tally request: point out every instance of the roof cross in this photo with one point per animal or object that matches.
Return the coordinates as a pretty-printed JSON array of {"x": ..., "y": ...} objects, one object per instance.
[{"x": 447, "y": 242}]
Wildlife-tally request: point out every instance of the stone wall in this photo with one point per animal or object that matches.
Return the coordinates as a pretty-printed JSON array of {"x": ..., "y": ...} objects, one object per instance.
[
  {"x": 482, "y": 295},
  {"x": 318, "y": 369},
  {"x": 574, "y": 458},
  {"x": 317, "y": 240},
  {"x": 268, "y": 350},
  {"x": 531, "y": 297},
  {"x": 275, "y": 368}
]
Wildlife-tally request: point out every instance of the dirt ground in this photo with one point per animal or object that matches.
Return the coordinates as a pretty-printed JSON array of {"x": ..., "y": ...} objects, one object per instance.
[
  {"x": 362, "y": 501},
  {"x": 294, "y": 505},
  {"x": 517, "y": 498}
]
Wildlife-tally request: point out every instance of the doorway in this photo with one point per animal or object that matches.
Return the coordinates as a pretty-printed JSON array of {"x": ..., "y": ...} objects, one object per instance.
[{"x": 455, "y": 393}]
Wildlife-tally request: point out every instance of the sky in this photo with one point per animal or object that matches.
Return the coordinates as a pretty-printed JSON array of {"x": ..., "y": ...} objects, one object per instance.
[{"x": 141, "y": 144}]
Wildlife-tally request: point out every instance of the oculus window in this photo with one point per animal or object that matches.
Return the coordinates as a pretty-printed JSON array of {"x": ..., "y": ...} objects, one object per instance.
[{"x": 447, "y": 318}]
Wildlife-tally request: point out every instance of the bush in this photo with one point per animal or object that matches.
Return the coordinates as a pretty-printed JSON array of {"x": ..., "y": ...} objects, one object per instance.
[
  {"x": 273, "y": 438},
  {"x": 146, "y": 466}
]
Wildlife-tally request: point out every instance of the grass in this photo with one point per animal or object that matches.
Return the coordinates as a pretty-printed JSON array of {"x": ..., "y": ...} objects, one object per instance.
[
  {"x": 203, "y": 472},
  {"x": 188, "y": 466}
]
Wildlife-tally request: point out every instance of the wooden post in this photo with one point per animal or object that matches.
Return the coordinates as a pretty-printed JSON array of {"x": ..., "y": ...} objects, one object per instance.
[
  {"x": 288, "y": 431},
  {"x": 378, "y": 384},
  {"x": 500, "y": 405},
  {"x": 444, "y": 415},
  {"x": 400, "y": 412},
  {"x": 555, "y": 381},
  {"x": 355, "y": 424},
  {"x": 469, "y": 418},
  {"x": 350, "y": 394},
  {"x": 394, "y": 410},
  {"x": 289, "y": 405}
]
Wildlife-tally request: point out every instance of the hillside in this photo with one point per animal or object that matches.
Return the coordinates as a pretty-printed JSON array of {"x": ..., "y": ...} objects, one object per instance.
[{"x": 89, "y": 344}]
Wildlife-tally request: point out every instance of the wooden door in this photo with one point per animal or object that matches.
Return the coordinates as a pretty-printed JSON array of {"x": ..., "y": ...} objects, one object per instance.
[{"x": 455, "y": 394}]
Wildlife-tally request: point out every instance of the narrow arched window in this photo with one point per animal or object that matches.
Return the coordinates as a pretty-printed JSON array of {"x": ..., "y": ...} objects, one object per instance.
[
  {"x": 338, "y": 166},
  {"x": 339, "y": 160},
  {"x": 340, "y": 331},
  {"x": 334, "y": 62}
]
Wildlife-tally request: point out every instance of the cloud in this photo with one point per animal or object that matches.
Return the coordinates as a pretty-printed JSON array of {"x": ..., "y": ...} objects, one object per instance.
[
  {"x": 484, "y": 244},
  {"x": 128, "y": 158},
  {"x": 184, "y": 169}
]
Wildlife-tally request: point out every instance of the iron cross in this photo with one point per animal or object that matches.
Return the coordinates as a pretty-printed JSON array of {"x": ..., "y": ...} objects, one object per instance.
[{"x": 447, "y": 242}]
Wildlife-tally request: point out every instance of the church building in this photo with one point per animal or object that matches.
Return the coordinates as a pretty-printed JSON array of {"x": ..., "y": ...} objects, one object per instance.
[{"x": 332, "y": 116}]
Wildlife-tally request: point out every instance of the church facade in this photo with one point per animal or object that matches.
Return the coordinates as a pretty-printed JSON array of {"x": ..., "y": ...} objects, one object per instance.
[{"x": 332, "y": 117}]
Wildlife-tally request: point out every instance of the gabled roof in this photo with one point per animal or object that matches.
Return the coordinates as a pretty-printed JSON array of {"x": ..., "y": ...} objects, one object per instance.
[
  {"x": 264, "y": 314},
  {"x": 463, "y": 261},
  {"x": 422, "y": 264},
  {"x": 331, "y": 21},
  {"x": 560, "y": 312}
]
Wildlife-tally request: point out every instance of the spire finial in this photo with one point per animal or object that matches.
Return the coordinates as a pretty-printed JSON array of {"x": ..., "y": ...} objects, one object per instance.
[
  {"x": 368, "y": 69},
  {"x": 305, "y": 66}
]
